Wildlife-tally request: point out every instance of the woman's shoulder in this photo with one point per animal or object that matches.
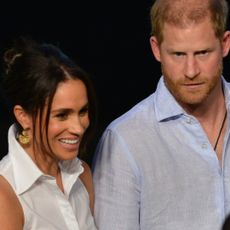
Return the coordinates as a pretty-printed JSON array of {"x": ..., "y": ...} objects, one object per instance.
[
  {"x": 11, "y": 212},
  {"x": 87, "y": 180},
  {"x": 87, "y": 171},
  {"x": 86, "y": 176},
  {"x": 7, "y": 193}
]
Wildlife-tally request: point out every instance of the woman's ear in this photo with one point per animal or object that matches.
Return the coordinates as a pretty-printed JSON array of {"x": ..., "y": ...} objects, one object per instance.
[
  {"x": 155, "y": 48},
  {"x": 23, "y": 118}
]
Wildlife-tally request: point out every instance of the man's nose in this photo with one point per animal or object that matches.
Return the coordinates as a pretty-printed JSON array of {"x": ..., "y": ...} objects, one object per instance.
[{"x": 191, "y": 68}]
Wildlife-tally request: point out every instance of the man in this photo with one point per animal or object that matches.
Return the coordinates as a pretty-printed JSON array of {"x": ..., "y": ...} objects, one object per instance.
[{"x": 165, "y": 164}]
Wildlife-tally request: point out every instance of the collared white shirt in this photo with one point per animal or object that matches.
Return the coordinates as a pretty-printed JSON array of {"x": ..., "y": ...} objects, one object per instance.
[
  {"x": 44, "y": 205},
  {"x": 155, "y": 169}
]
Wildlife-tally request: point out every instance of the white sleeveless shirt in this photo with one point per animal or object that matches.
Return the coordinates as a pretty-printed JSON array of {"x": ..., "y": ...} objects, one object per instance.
[{"x": 44, "y": 205}]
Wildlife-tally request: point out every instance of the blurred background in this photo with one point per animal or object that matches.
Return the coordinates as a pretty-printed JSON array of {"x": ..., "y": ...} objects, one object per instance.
[{"x": 110, "y": 40}]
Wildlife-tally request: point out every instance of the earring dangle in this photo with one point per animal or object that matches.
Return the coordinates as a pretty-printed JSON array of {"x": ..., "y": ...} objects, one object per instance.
[{"x": 23, "y": 138}]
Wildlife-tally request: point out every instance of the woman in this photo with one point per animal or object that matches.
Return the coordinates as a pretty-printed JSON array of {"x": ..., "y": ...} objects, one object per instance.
[{"x": 43, "y": 183}]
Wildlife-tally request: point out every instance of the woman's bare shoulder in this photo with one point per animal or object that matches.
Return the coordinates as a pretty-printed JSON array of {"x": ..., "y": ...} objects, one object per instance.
[
  {"x": 87, "y": 180},
  {"x": 11, "y": 213}
]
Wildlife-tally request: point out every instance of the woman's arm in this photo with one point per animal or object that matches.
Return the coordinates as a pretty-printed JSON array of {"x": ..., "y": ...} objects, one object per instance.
[{"x": 11, "y": 213}]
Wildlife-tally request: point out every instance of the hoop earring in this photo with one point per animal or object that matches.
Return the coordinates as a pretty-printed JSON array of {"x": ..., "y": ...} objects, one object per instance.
[{"x": 23, "y": 138}]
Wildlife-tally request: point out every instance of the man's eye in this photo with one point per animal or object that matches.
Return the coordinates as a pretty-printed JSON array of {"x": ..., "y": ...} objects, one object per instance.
[
  {"x": 203, "y": 53},
  {"x": 178, "y": 54}
]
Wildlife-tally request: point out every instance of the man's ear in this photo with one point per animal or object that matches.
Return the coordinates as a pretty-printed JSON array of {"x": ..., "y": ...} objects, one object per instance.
[
  {"x": 155, "y": 48},
  {"x": 23, "y": 118},
  {"x": 226, "y": 43}
]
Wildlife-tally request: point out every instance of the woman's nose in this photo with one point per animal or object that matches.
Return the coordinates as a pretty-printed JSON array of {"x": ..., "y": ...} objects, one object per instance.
[{"x": 76, "y": 126}]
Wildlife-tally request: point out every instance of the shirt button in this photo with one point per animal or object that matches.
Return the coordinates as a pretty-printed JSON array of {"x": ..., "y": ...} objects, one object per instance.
[
  {"x": 189, "y": 120},
  {"x": 204, "y": 146}
]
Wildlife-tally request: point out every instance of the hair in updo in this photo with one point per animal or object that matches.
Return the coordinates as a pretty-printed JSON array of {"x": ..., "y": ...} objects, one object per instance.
[
  {"x": 32, "y": 74},
  {"x": 9, "y": 58}
]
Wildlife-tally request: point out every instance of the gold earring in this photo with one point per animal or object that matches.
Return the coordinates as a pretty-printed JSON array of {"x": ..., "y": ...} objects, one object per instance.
[{"x": 23, "y": 138}]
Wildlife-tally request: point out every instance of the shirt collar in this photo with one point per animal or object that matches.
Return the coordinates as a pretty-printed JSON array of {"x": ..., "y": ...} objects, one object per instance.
[
  {"x": 226, "y": 88},
  {"x": 167, "y": 107},
  {"x": 24, "y": 169},
  {"x": 26, "y": 172},
  {"x": 70, "y": 172}
]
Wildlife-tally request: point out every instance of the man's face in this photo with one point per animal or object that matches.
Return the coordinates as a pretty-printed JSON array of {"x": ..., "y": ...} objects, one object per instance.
[{"x": 191, "y": 61}]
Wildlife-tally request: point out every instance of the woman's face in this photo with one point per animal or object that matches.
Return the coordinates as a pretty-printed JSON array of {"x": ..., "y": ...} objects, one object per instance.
[{"x": 68, "y": 120}]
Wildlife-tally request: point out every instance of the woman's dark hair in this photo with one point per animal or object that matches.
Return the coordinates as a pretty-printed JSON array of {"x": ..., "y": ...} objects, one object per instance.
[{"x": 32, "y": 74}]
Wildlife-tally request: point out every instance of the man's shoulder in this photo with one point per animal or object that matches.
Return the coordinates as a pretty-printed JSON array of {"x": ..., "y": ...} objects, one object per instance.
[
  {"x": 227, "y": 84},
  {"x": 226, "y": 87},
  {"x": 139, "y": 113}
]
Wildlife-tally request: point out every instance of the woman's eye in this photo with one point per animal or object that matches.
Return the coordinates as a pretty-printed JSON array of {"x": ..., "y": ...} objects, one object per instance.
[
  {"x": 62, "y": 116},
  {"x": 84, "y": 111}
]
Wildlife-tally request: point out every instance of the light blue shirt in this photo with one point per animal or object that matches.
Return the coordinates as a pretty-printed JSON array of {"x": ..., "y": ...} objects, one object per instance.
[{"x": 155, "y": 169}]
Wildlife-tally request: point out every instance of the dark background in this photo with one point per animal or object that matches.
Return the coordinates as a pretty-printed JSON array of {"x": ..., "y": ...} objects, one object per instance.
[{"x": 109, "y": 39}]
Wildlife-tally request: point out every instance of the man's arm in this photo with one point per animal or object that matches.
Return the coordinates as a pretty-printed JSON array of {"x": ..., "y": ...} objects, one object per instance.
[{"x": 117, "y": 189}]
